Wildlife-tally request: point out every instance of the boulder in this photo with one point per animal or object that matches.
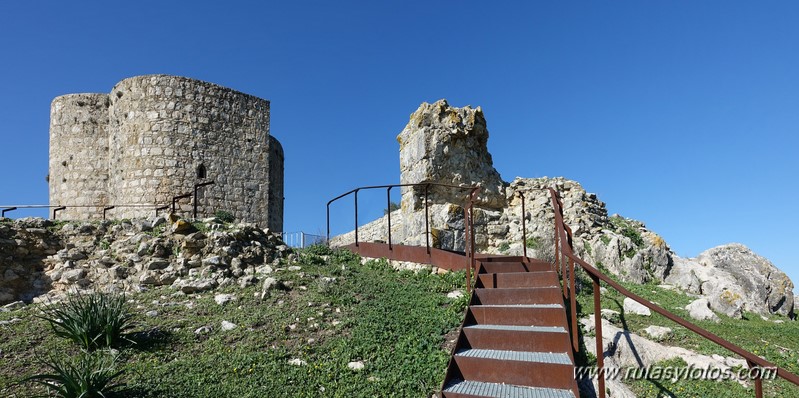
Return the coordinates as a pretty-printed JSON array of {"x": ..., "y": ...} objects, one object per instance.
[
  {"x": 699, "y": 309},
  {"x": 633, "y": 307}
]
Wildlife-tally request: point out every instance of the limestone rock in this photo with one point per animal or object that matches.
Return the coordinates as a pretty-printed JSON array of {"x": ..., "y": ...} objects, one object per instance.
[
  {"x": 447, "y": 145},
  {"x": 633, "y": 307},
  {"x": 223, "y": 299},
  {"x": 658, "y": 332},
  {"x": 735, "y": 279},
  {"x": 356, "y": 365},
  {"x": 699, "y": 309},
  {"x": 228, "y": 325},
  {"x": 269, "y": 285}
]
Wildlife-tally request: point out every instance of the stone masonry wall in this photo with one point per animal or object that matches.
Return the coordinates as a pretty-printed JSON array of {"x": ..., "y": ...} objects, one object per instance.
[
  {"x": 79, "y": 154},
  {"x": 154, "y": 138}
]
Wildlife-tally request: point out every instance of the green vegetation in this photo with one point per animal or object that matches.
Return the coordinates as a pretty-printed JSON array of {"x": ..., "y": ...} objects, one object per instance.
[
  {"x": 533, "y": 242},
  {"x": 625, "y": 228},
  {"x": 398, "y": 323},
  {"x": 225, "y": 216},
  {"x": 92, "y": 321},
  {"x": 504, "y": 247}
]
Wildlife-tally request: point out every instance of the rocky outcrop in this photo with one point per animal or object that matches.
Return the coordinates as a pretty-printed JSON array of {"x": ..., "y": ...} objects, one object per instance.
[
  {"x": 448, "y": 145},
  {"x": 40, "y": 258},
  {"x": 734, "y": 279}
]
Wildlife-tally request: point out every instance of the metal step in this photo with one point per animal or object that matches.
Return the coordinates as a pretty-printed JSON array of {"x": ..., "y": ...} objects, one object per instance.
[
  {"x": 537, "y": 295},
  {"x": 558, "y": 358},
  {"x": 531, "y": 369},
  {"x": 518, "y": 279},
  {"x": 500, "y": 267},
  {"x": 515, "y": 338},
  {"x": 517, "y": 314},
  {"x": 471, "y": 388}
]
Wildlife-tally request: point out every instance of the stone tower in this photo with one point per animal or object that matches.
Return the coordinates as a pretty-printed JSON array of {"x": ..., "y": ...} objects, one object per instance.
[{"x": 154, "y": 137}]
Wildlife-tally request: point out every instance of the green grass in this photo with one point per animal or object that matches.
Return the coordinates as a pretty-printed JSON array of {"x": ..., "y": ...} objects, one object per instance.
[
  {"x": 395, "y": 322},
  {"x": 776, "y": 342}
]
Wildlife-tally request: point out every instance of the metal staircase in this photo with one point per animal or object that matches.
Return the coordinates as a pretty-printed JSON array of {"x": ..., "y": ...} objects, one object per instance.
[{"x": 514, "y": 341}]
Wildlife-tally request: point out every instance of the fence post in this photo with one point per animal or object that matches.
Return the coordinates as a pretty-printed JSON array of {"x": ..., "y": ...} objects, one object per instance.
[
  {"x": 600, "y": 348},
  {"x": 388, "y": 212},
  {"x": 524, "y": 228},
  {"x": 356, "y": 218},
  {"x": 6, "y": 210},
  {"x": 426, "y": 219}
]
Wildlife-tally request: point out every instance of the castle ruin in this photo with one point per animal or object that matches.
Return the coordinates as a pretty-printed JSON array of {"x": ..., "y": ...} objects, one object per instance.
[{"x": 154, "y": 137}]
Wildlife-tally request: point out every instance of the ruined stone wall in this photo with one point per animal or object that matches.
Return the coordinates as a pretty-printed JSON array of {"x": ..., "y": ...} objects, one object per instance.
[
  {"x": 157, "y": 136},
  {"x": 79, "y": 154}
]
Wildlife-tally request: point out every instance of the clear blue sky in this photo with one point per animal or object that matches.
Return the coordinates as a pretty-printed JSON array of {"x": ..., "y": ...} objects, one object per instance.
[{"x": 682, "y": 114}]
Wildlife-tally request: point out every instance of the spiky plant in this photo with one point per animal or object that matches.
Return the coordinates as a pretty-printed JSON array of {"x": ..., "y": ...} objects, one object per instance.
[
  {"x": 93, "y": 321},
  {"x": 87, "y": 375}
]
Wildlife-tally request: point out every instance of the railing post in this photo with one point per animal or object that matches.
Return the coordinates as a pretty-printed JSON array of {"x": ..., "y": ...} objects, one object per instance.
[
  {"x": 196, "y": 198},
  {"x": 426, "y": 219},
  {"x": 471, "y": 228},
  {"x": 388, "y": 212},
  {"x": 176, "y": 198},
  {"x": 573, "y": 305},
  {"x": 328, "y": 224},
  {"x": 105, "y": 209},
  {"x": 524, "y": 228},
  {"x": 6, "y": 210},
  {"x": 758, "y": 378},
  {"x": 466, "y": 249},
  {"x": 56, "y": 210},
  {"x": 600, "y": 347},
  {"x": 356, "y": 218}
]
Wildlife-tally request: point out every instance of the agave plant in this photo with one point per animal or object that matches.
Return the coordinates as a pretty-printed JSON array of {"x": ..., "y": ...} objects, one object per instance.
[
  {"x": 87, "y": 375},
  {"x": 93, "y": 321}
]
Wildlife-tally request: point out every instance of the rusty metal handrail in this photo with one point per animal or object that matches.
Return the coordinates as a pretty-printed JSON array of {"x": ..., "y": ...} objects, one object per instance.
[
  {"x": 564, "y": 234},
  {"x": 106, "y": 207},
  {"x": 468, "y": 217}
]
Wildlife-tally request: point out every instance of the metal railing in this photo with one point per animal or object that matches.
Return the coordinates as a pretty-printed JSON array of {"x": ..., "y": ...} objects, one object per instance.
[
  {"x": 468, "y": 209},
  {"x": 106, "y": 207},
  {"x": 565, "y": 260},
  {"x": 301, "y": 239}
]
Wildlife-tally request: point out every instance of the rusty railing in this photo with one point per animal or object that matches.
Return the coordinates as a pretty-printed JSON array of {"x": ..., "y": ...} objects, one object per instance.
[
  {"x": 565, "y": 257},
  {"x": 468, "y": 209},
  {"x": 104, "y": 208}
]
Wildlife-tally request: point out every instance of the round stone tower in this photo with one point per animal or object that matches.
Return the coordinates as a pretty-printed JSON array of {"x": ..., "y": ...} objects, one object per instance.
[
  {"x": 155, "y": 138},
  {"x": 79, "y": 154}
]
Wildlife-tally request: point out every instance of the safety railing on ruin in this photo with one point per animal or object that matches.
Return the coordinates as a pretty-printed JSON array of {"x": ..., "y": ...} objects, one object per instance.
[
  {"x": 468, "y": 208},
  {"x": 106, "y": 207},
  {"x": 565, "y": 260}
]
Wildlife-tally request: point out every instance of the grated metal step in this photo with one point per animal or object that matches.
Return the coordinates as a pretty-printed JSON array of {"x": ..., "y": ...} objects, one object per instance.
[
  {"x": 496, "y": 390},
  {"x": 516, "y": 306},
  {"x": 525, "y": 356},
  {"x": 549, "y": 329}
]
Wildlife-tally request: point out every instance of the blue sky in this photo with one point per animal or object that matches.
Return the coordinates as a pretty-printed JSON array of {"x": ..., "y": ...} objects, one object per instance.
[{"x": 683, "y": 115}]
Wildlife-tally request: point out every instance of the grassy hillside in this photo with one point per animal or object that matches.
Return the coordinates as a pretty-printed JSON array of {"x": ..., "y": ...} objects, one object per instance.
[
  {"x": 777, "y": 342},
  {"x": 297, "y": 342}
]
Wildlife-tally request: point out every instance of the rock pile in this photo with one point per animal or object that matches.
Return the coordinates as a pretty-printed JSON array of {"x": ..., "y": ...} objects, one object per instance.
[{"x": 39, "y": 256}]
